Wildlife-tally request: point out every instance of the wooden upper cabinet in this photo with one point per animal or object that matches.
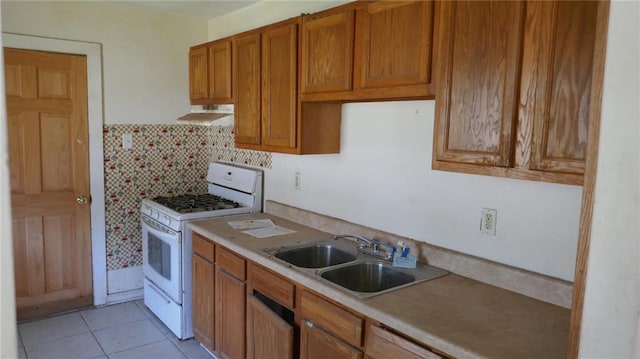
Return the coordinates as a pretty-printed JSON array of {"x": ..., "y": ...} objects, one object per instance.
[
  {"x": 516, "y": 88},
  {"x": 198, "y": 77},
  {"x": 210, "y": 73},
  {"x": 477, "y": 95},
  {"x": 393, "y": 47},
  {"x": 268, "y": 112},
  {"x": 384, "y": 52},
  {"x": 279, "y": 81},
  {"x": 220, "y": 70},
  {"x": 246, "y": 57},
  {"x": 561, "y": 38},
  {"x": 327, "y": 52}
]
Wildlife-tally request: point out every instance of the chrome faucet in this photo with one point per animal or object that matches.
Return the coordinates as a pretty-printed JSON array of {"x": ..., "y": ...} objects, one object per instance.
[{"x": 371, "y": 246}]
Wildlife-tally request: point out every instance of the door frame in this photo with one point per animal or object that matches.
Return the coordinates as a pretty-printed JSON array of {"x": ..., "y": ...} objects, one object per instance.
[{"x": 93, "y": 52}]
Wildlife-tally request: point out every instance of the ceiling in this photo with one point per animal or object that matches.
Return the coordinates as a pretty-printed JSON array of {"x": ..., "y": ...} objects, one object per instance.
[{"x": 200, "y": 8}]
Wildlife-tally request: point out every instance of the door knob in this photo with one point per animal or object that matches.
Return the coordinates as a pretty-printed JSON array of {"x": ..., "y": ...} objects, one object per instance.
[{"x": 82, "y": 200}]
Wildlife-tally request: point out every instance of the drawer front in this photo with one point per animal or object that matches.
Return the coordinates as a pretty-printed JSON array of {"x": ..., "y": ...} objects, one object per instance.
[
  {"x": 333, "y": 319},
  {"x": 231, "y": 263},
  {"x": 382, "y": 344},
  {"x": 203, "y": 247},
  {"x": 169, "y": 312},
  {"x": 272, "y": 285}
]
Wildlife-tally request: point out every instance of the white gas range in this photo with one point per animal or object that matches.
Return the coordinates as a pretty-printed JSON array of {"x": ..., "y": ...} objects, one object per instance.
[{"x": 167, "y": 242}]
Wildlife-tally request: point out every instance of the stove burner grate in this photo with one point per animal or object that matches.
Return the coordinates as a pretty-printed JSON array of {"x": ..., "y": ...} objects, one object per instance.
[{"x": 191, "y": 203}]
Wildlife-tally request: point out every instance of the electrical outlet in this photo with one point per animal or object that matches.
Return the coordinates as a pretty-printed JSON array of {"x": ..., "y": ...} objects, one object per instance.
[
  {"x": 127, "y": 141},
  {"x": 488, "y": 219},
  {"x": 296, "y": 181}
]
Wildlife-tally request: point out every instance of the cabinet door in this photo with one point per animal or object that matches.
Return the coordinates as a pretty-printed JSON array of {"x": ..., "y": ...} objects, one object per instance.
[
  {"x": 345, "y": 325},
  {"x": 562, "y": 40},
  {"x": 268, "y": 336},
  {"x": 246, "y": 60},
  {"x": 230, "y": 316},
  {"x": 315, "y": 343},
  {"x": 382, "y": 344},
  {"x": 327, "y": 53},
  {"x": 393, "y": 44},
  {"x": 279, "y": 79},
  {"x": 220, "y": 70},
  {"x": 476, "y": 111},
  {"x": 271, "y": 285},
  {"x": 203, "y": 301},
  {"x": 198, "y": 64}
]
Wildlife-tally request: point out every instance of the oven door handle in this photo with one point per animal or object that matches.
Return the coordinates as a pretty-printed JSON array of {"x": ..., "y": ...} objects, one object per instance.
[{"x": 158, "y": 227}]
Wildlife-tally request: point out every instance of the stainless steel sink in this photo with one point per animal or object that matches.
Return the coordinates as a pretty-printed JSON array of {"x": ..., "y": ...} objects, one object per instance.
[
  {"x": 315, "y": 256},
  {"x": 367, "y": 277},
  {"x": 338, "y": 263}
]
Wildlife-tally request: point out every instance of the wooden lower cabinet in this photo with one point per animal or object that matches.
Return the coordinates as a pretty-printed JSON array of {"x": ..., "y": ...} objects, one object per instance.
[
  {"x": 230, "y": 304},
  {"x": 230, "y": 294},
  {"x": 242, "y": 310},
  {"x": 268, "y": 335},
  {"x": 202, "y": 275},
  {"x": 203, "y": 301},
  {"x": 382, "y": 344},
  {"x": 338, "y": 321},
  {"x": 315, "y": 343}
]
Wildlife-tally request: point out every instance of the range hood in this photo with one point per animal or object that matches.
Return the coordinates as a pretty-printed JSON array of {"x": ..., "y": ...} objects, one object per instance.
[{"x": 209, "y": 115}]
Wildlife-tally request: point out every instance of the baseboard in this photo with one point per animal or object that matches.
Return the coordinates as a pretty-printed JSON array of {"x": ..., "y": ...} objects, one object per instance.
[{"x": 125, "y": 296}]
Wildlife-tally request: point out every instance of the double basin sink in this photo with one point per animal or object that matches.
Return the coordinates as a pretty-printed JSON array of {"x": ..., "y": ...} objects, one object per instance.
[{"x": 338, "y": 262}]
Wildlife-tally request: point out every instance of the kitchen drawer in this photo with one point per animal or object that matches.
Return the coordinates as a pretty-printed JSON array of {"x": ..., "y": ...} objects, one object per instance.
[
  {"x": 203, "y": 247},
  {"x": 272, "y": 285},
  {"x": 383, "y": 344},
  {"x": 231, "y": 263},
  {"x": 332, "y": 318}
]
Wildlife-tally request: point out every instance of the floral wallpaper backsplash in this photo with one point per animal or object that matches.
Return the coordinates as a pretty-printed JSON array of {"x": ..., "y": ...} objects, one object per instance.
[
  {"x": 165, "y": 160},
  {"x": 223, "y": 150}
]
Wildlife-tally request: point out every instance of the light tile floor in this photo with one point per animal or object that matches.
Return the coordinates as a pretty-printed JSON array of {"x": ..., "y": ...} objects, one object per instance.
[{"x": 121, "y": 331}]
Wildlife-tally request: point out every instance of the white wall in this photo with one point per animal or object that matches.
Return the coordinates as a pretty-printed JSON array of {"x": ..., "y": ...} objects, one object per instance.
[
  {"x": 145, "y": 53},
  {"x": 8, "y": 337},
  {"x": 382, "y": 178},
  {"x": 612, "y": 297}
]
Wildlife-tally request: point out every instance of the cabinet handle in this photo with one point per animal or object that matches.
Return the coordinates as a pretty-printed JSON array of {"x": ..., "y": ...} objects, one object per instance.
[{"x": 308, "y": 324}]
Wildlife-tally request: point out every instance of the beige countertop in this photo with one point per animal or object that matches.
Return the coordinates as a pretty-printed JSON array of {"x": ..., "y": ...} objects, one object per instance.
[{"x": 453, "y": 314}]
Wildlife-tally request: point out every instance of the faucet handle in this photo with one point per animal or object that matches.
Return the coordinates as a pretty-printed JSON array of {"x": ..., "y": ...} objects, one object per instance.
[{"x": 364, "y": 242}]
